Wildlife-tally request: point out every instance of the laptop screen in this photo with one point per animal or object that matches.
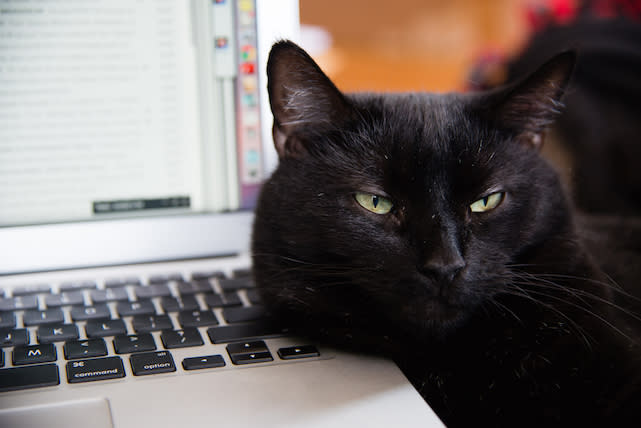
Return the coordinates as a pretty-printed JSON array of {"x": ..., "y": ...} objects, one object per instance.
[{"x": 119, "y": 109}]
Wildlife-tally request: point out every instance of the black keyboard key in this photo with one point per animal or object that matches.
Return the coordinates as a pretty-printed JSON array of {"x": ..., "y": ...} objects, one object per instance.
[
  {"x": 158, "y": 279},
  {"x": 7, "y": 320},
  {"x": 18, "y": 303},
  {"x": 257, "y": 357},
  {"x": 77, "y": 285},
  {"x": 85, "y": 313},
  {"x": 134, "y": 343},
  {"x": 194, "y": 287},
  {"x": 141, "y": 307},
  {"x": 241, "y": 273},
  {"x": 181, "y": 338},
  {"x": 13, "y": 337},
  {"x": 243, "y": 332},
  {"x": 176, "y": 304},
  {"x": 152, "y": 363},
  {"x": 69, "y": 298},
  {"x": 249, "y": 352},
  {"x": 214, "y": 300},
  {"x": 294, "y": 352},
  {"x": 95, "y": 369},
  {"x": 152, "y": 290},
  {"x": 57, "y": 333},
  {"x": 244, "y": 314},
  {"x": 34, "y": 354},
  {"x": 48, "y": 316},
  {"x": 246, "y": 347},
  {"x": 105, "y": 328},
  {"x": 236, "y": 283},
  {"x": 29, "y": 377},
  {"x": 108, "y": 295},
  {"x": 205, "y": 275},
  {"x": 121, "y": 282},
  {"x": 31, "y": 289},
  {"x": 163, "y": 279},
  {"x": 77, "y": 349},
  {"x": 204, "y": 362},
  {"x": 197, "y": 318},
  {"x": 232, "y": 298},
  {"x": 147, "y": 323},
  {"x": 227, "y": 299},
  {"x": 176, "y": 277}
]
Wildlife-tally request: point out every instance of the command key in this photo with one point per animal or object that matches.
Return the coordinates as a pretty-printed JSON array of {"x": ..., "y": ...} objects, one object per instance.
[{"x": 95, "y": 369}]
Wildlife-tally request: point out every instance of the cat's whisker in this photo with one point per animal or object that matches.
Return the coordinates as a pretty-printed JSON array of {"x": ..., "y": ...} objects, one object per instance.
[
  {"x": 533, "y": 279},
  {"x": 600, "y": 299},
  {"x": 584, "y": 309},
  {"x": 524, "y": 294},
  {"x": 611, "y": 285},
  {"x": 504, "y": 308},
  {"x": 303, "y": 263},
  {"x": 579, "y": 293}
]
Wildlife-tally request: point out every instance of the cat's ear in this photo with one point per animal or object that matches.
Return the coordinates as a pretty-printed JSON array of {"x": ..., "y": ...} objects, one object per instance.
[
  {"x": 528, "y": 107},
  {"x": 301, "y": 97}
]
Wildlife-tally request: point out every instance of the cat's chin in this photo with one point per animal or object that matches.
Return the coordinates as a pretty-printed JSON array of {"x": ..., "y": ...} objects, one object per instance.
[
  {"x": 442, "y": 312},
  {"x": 442, "y": 316},
  {"x": 436, "y": 317}
]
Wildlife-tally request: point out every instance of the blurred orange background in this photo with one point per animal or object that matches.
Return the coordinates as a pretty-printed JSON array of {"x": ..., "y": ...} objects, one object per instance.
[{"x": 405, "y": 45}]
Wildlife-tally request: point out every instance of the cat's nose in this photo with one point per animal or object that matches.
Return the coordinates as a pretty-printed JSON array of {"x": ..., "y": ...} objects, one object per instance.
[
  {"x": 444, "y": 267},
  {"x": 440, "y": 253}
]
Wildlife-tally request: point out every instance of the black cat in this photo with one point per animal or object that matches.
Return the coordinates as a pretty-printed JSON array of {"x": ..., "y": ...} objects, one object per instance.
[{"x": 428, "y": 228}]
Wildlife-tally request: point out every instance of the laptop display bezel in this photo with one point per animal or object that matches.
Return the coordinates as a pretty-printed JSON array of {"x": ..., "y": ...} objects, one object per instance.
[{"x": 123, "y": 241}]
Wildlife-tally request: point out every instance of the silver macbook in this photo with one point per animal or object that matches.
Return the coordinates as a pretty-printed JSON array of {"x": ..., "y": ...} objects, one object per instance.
[{"x": 134, "y": 136}]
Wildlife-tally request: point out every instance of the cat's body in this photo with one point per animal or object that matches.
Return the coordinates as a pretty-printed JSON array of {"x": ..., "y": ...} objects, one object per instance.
[{"x": 428, "y": 228}]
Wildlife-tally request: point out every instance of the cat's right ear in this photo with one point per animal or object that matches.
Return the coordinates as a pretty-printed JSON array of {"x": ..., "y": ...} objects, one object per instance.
[
  {"x": 301, "y": 97},
  {"x": 526, "y": 108}
]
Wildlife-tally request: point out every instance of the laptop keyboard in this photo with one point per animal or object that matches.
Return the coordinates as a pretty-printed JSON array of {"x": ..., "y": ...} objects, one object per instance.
[{"x": 88, "y": 331}]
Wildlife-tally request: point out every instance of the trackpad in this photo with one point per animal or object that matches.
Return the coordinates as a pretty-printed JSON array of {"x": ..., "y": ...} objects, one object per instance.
[{"x": 69, "y": 414}]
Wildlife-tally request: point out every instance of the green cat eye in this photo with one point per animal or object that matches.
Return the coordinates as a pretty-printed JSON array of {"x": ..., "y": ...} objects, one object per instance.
[
  {"x": 487, "y": 203},
  {"x": 374, "y": 203}
]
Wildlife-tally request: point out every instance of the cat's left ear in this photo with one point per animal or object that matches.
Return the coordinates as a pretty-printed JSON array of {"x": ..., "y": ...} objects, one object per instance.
[{"x": 528, "y": 107}]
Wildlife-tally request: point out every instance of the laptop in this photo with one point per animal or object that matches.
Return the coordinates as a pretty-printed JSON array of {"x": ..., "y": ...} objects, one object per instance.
[{"x": 134, "y": 137}]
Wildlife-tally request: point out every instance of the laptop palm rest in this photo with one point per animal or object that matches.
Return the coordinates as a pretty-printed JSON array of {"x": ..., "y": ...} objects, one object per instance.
[{"x": 95, "y": 413}]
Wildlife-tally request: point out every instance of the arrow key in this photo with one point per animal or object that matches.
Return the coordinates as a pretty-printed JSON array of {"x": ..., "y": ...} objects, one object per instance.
[
  {"x": 204, "y": 362},
  {"x": 249, "y": 352},
  {"x": 294, "y": 352}
]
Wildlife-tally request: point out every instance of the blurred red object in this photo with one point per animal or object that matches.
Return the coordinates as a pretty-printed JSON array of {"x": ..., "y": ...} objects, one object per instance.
[
  {"x": 540, "y": 14},
  {"x": 558, "y": 12},
  {"x": 614, "y": 8}
]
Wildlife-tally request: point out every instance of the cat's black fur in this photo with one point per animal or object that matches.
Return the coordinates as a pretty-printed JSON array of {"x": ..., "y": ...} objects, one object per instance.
[{"x": 501, "y": 318}]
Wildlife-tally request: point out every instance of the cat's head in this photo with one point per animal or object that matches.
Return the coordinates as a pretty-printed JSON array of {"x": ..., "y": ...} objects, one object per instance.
[{"x": 403, "y": 210}]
